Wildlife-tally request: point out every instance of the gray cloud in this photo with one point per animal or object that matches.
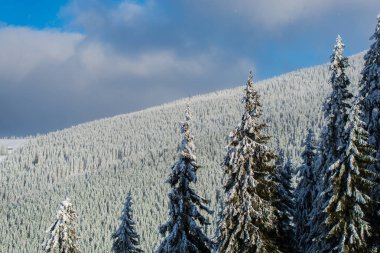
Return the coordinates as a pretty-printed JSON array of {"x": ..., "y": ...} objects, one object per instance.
[
  {"x": 119, "y": 56},
  {"x": 51, "y": 79}
]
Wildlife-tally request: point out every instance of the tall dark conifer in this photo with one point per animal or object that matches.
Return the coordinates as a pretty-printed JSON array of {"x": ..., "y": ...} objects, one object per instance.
[
  {"x": 305, "y": 192},
  {"x": 249, "y": 220},
  {"x": 286, "y": 205},
  {"x": 331, "y": 146},
  {"x": 182, "y": 230},
  {"x": 346, "y": 227},
  {"x": 370, "y": 102},
  {"x": 126, "y": 239}
]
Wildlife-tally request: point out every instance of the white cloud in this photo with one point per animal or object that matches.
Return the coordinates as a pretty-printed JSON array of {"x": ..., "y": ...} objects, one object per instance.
[
  {"x": 99, "y": 15},
  {"x": 130, "y": 55},
  {"x": 128, "y": 11},
  {"x": 23, "y": 50},
  {"x": 279, "y": 13},
  {"x": 55, "y": 74}
]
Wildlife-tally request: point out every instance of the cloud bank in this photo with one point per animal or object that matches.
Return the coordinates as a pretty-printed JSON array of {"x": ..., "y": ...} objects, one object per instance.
[{"x": 114, "y": 57}]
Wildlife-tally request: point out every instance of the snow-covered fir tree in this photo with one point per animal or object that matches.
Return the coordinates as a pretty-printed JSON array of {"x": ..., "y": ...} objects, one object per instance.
[
  {"x": 336, "y": 108},
  {"x": 370, "y": 101},
  {"x": 182, "y": 230},
  {"x": 126, "y": 239},
  {"x": 331, "y": 146},
  {"x": 350, "y": 183},
  {"x": 286, "y": 205},
  {"x": 62, "y": 234},
  {"x": 249, "y": 220},
  {"x": 305, "y": 192},
  {"x": 280, "y": 161}
]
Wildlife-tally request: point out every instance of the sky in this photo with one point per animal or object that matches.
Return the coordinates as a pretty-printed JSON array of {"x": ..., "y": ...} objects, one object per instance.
[{"x": 66, "y": 62}]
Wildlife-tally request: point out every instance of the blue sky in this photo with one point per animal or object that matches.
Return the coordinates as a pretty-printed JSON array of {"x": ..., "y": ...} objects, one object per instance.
[
  {"x": 38, "y": 14},
  {"x": 67, "y": 62}
]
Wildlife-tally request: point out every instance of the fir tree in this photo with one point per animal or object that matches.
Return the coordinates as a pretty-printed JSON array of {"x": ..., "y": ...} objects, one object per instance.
[
  {"x": 249, "y": 220},
  {"x": 350, "y": 185},
  {"x": 286, "y": 205},
  {"x": 62, "y": 234},
  {"x": 331, "y": 146},
  {"x": 126, "y": 239},
  {"x": 305, "y": 192},
  {"x": 184, "y": 233},
  {"x": 336, "y": 108},
  {"x": 370, "y": 101}
]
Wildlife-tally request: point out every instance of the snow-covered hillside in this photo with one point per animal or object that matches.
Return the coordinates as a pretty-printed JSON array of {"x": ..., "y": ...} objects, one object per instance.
[
  {"x": 7, "y": 146},
  {"x": 97, "y": 163}
]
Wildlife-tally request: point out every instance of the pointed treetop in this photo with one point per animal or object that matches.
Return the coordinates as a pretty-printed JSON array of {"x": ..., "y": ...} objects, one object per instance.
[
  {"x": 62, "y": 234},
  {"x": 188, "y": 114},
  {"x": 186, "y": 124},
  {"x": 129, "y": 196},
  {"x": 187, "y": 146},
  {"x": 250, "y": 82},
  {"x": 251, "y": 99},
  {"x": 65, "y": 204},
  {"x": 280, "y": 158},
  {"x": 250, "y": 76},
  {"x": 310, "y": 141},
  {"x": 339, "y": 40},
  {"x": 125, "y": 238},
  {"x": 376, "y": 35},
  {"x": 338, "y": 60}
]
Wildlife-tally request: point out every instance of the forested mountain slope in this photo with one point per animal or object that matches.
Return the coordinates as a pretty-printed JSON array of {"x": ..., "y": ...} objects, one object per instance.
[{"x": 97, "y": 163}]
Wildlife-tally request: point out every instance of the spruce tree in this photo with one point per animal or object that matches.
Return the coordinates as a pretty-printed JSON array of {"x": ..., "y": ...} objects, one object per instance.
[
  {"x": 336, "y": 108},
  {"x": 280, "y": 161},
  {"x": 184, "y": 235},
  {"x": 305, "y": 192},
  {"x": 126, "y": 239},
  {"x": 370, "y": 102},
  {"x": 286, "y": 205},
  {"x": 331, "y": 146},
  {"x": 249, "y": 219},
  {"x": 350, "y": 184},
  {"x": 62, "y": 233}
]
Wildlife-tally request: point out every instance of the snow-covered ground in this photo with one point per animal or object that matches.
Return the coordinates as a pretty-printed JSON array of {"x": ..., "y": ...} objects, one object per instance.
[{"x": 7, "y": 146}]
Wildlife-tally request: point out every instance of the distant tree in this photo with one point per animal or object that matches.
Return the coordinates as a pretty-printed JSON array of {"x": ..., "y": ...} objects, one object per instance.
[
  {"x": 305, "y": 192},
  {"x": 331, "y": 146},
  {"x": 62, "y": 234},
  {"x": 126, "y": 239},
  {"x": 249, "y": 220},
  {"x": 370, "y": 101},
  {"x": 286, "y": 205},
  {"x": 280, "y": 161},
  {"x": 183, "y": 231}
]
